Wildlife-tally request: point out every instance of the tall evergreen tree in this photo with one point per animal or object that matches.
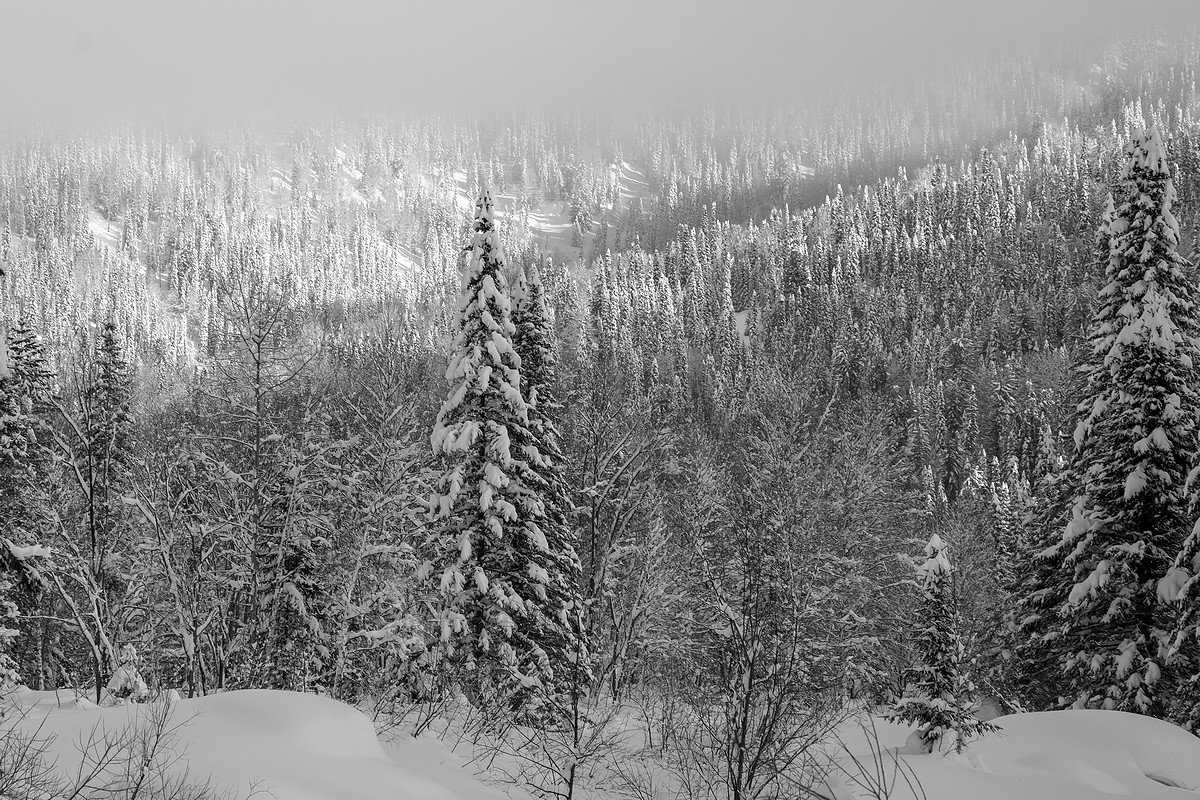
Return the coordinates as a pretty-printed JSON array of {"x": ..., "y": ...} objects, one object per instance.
[
  {"x": 108, "y": 432},
  {"x": 26, "y": 386},
  {"x": 1040, "y": 640},
  {"x": 30, "y": 366},
  {"x": 1039, "y": 590},
  {"x": 486, "y": 557},
  {"x": 562, "y": 608},
  {"x": 1135, "y": 445},
  {"x": 14, "y": 448},
  {"x": 27, "y": 390},
  {"x": 937, "y": 697}
]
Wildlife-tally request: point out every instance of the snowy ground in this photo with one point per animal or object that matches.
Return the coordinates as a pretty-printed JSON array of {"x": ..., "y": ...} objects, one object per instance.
[
  {"x": 549, "y": 220},
  {"x": 304, "y": 747},
  {"x": 552, "y": 222},
  {"x": 1054, "y": 755},
  {"x": 107, "y": 233},
  {"x": 294, "y": 746},
  {"x": 631, "y": 185}
]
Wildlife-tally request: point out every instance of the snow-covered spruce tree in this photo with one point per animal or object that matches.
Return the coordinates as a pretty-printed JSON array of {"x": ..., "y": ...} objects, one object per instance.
[
  {"x": 107, "y": 451},
  {"x": 298, "y": 529},
  {"x": 27, "y": 389},
  {"x": 1040, "y": 642},
  {"x": 1038, "y": 593},
  {"x": 937, "y": 697},
  {"x": 26, "y": 384},
  {"x": 1181, "y": 585},
  {"x": 1135, "y": 445},
  {"x": 14, "y": 447},
  {"x": 30, "y": 367},
  {"x": 9, "y": 676},
  {"x": 106, "y": 412},
  {"x": 563, "y": 641},
  {"x": 487, "y": 555}
]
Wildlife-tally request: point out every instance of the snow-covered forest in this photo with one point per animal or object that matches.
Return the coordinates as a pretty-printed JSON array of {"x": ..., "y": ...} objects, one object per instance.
[{"x": 839, "y": 446}]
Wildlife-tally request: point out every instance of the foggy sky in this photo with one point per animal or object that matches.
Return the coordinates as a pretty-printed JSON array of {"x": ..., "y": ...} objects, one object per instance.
[{"x": 261, "y": 54}]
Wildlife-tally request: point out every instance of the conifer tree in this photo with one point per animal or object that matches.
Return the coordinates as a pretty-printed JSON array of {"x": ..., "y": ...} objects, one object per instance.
[
  {"x": 1040, "y": 640},
  {"x": 562, "y": 608},
  {"x": 27, "y": 388},
  {"x": 13, "y": 451},
  {"x": 937, "y": 697},
  {"x": 26, "y": 385},
  {"x": 1039, "y": 593},
  {"x": 1135, "y": 445},
  {"x": 485, "y": 559},
  {"x": 30, "y": 367},
  {"x": 9, "y": 676},
  {"x": 108, "y": 427}
]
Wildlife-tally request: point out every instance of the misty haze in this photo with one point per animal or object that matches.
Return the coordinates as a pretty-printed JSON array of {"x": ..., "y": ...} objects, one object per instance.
[{"x": 661, "y": 400}]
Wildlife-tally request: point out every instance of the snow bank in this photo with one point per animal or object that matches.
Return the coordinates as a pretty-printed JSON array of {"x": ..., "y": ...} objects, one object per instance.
[
  {"x": 299, "y": 746},
  {"x": 1057, "y": 755},
  {"x": 304, "y": 747}
]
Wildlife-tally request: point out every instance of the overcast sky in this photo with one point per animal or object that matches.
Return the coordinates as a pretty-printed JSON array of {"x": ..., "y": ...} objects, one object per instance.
[{"x": 122, "y": 54}]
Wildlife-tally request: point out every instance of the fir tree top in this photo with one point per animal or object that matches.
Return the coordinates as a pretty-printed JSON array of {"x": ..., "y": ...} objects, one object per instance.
[
  {"x": 1147, "y": 293},
  {"x": 532, "y": 320},
  {"x": 485, "y": 368},
  {"x": 1135, "y": 445},
  {"x": 480, "y": 429},
  {"x": 936, "y": 564}
]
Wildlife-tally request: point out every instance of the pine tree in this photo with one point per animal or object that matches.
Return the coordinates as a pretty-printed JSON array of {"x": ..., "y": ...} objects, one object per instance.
[
  {"x": 481, "y": 563},
  {"x": 9, "y": 676},
  {"x": 1039, "y": 591},
  {"x": 563, "y": 639},
  {"x": 30, "y": 367},
  {"x": 1135, "y": 445},
  {"x": 26, "y": 385},
  {"x": 26, "y": 391},
  {"x": 108, "y": 430},
  {"x": 14, "y": 448},
  {"x": 937, "y": 697},
  {"x": 1040, "y": 640}
]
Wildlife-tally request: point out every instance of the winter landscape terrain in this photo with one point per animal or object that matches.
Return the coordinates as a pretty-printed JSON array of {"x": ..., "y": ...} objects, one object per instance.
[{"x": 508, "y": 401}]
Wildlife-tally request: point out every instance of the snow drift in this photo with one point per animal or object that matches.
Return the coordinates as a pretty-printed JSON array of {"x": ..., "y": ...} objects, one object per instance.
[
  {"x": 305, "y": 747},
  {"x": 295, "y": 746},
  {"x": 1056, "y": 755}
]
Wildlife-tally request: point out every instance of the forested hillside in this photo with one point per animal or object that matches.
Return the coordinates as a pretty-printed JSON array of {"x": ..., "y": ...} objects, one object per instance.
[{"x": 725, "y": 414}]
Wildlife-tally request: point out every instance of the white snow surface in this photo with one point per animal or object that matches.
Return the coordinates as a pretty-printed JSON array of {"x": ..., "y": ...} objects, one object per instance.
[
  {"x": 297, "y": 746},
  {"x": 107, "y": 233},
  {"x": 305, "y": 747},
  {"x": 1054, "y": 755}
]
